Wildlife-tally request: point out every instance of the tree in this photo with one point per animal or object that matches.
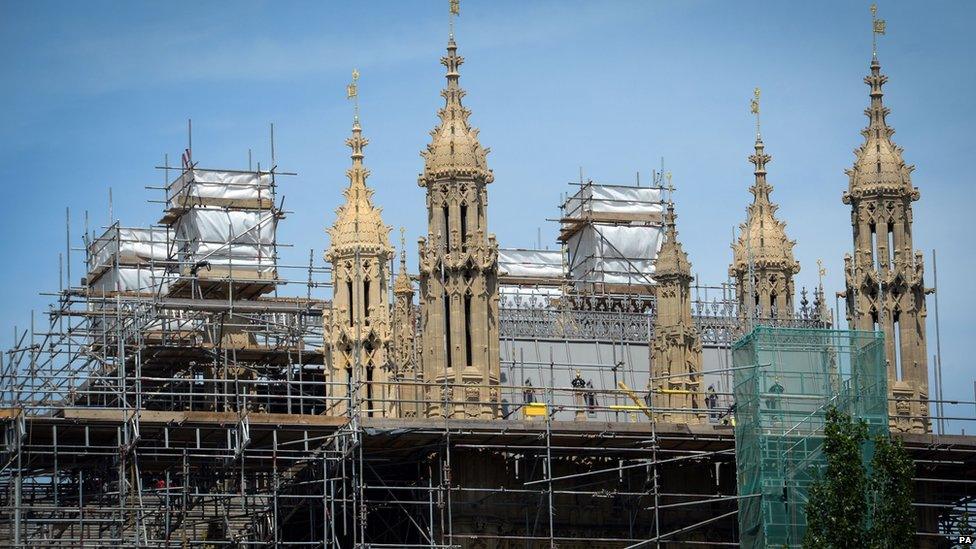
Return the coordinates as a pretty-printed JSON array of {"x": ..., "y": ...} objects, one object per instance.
[
  {"x": 962, "y": 525},
  {"x": 892, "y": 516},
  {"x": 848, "y": 509},
  {"x": 837, "y": 508}
]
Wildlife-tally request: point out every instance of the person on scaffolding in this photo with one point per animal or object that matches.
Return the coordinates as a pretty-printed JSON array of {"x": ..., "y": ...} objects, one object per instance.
[
  {"x": 728, "y": 418},
  {"x": 590, "y": 398},
  {"x": 772, "y": 403},
  {"x": 528, "y": 393},
  {"x": 711, "y": 401},
  {"x": 579, "y": 395}
]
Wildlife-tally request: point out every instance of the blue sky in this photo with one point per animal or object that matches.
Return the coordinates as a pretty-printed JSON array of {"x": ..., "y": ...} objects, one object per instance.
[{"x": 95, "y": 93}]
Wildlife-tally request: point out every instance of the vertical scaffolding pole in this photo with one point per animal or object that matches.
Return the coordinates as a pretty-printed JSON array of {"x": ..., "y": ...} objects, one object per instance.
[
  {"x": 550, "y": 409},
  {"x": 940, "y": 404}
]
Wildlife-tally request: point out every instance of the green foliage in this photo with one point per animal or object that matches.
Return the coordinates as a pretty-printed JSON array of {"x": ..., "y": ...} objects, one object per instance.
[
  {"x": 962, "y": 525},
  {"x": 892, "y": 516},
  {"x": 837, "y": 508},
  {"x": 848, "y": 509}
]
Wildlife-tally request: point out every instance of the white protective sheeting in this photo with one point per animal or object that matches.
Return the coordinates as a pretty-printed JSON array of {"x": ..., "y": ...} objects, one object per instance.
[
  {"x": 222, "y": 237},
  {"x": 196, "y": 184},
  {"x": 131, "y": 279},
  {"x": 530, "y": 263},
  {"x": 614, "y": 199},
  {"x": 130, "y": 246},
  {"x": 614, "y": 254}
]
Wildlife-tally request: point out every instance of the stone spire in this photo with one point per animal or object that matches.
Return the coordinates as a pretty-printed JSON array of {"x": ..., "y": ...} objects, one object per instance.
[
  {"x": 879, "y": 166},
  {"x": 672, "y": 261},
  {"x": 884, "y": 277},
  {"x": 358, "y": 225},
  {"x": 454, "y": 151},
  {"x": 458, "y": 265},
  {"x": 404, "y": 327},
  {"x": 403, "y": 286},
  {"x": 676, "y": 351},
  {"x": 359, "y": 332},
  {"x": 764, "y": 251}
]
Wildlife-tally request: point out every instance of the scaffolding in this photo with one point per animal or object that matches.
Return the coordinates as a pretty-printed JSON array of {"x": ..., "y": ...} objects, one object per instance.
[
  {"x": 785, "y": 381},
  {"x": 612, "y": 234},
  {"x": 179, "y": 397}
]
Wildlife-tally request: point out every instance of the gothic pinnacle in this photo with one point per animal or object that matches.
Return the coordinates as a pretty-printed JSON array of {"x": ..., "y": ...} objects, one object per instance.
[
  {"x": 763, "y": 236},
  {"x": 763, "y": 251},
  {"x": 760, "y": 189},
  {"x": 671, "y": 259},
  {"x": 402, "y": 284},
  {"x": 884, "y": 287},
  {"x": 879, "y": 165},
  {"x": 358, "y": 224},
  {"x": 454, "y": 151}
]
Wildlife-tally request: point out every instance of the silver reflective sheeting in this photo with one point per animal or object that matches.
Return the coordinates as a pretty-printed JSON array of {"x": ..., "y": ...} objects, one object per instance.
[
  {"x": 216, "y": 184},
  {"x": 128, "y": 246},
  {"x": 131, "y": 279},
  {"x": 614, "y": 254},
  {"x": 614, "y": 199},
  {"x": 243, "y": 238}
]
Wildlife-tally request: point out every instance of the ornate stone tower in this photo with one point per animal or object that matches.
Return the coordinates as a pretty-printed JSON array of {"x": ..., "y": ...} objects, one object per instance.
[
  {"x": 763, "y": 251},
  {"x": 359, "y": 331},
  {"x": 676, "y": 350},
  {"x": 885, "y": 290},
  {"x": 402, "y": 350},
  {"x": 458, "y": 265}
]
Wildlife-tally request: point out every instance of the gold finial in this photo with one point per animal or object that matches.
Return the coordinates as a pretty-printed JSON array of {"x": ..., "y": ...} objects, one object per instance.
[
  {"x": 352, "y": 92},
  {"x": 754, "y": 107},
  {"x": 455, "y": 12},
  {"x": 877, "y": 27}
]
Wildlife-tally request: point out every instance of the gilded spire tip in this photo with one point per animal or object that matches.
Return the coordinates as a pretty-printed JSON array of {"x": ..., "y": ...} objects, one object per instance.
[
  {"x": 455, "y": 7},
  {"x": 352, "y": 92},
  {"x": 403, "y": 248},
  {"x": 669, "y": 216},
  {"x": 754, "y": 109},
  {"x": 878, "y": 27}
]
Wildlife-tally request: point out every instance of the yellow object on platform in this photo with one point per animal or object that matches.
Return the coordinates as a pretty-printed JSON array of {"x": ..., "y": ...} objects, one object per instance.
[{"x": 536, "y": 409}]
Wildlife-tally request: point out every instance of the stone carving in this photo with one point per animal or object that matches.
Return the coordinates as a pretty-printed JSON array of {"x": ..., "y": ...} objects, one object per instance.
[
  {"x": 403, "y": 346},
  {"x": 884, "y": 276},
  {"x": 459, "y": 259},
  {"x": 676, "y": 384},
  {"x": 358, "y": 334},
  {"x": 763, "y": 264}
]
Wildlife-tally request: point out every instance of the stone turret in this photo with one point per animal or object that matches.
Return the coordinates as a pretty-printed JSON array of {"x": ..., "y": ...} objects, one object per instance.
[
  {"x": 359, "y": 332},
  {"x": 763, "y": 251},
  {"x": 676, "y": 349},
  {"x": 458, "y": 265},
  {"x": 403, "y": 349},
  {"x": 884, "y": 277}
]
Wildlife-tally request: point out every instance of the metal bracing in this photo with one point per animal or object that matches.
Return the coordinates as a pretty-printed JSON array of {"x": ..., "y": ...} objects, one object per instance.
[{"x": 200, "y": 412}]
